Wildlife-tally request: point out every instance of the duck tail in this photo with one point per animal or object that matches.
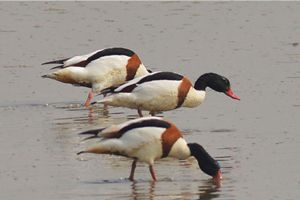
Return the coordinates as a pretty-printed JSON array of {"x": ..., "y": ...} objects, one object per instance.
[
  {"x": 57, "y": 62},
  {"x": 61, "y": 61},
  {"x": 93, "y": 132},
  {"x": 52, "y": 76},
  {"x": 98, "y": 149}
]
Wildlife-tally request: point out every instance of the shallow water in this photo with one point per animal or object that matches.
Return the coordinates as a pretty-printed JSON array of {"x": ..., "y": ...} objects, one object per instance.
[{"x": 256, "y": 140}]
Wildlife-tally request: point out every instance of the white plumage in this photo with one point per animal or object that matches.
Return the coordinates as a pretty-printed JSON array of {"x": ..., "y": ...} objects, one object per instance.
[
  {"x": 148, "y": 139},
  {"x": 163, "y": 91},
  {"x": 99, "y": 70}
]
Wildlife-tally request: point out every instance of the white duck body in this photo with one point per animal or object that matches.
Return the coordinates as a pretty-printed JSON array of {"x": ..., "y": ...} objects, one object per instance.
[
  {"x": 99, "y": 74},
  {"x": 148, "y": 139},
  {"x": 156, "y": 95},
  {"x": 143, "y": 143},
  {"x": 99, "y": 70}
]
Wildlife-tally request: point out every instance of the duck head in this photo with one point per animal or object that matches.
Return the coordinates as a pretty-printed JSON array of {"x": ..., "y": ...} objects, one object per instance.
[
  {"x": 206, "y": 163},
  {"x": 216, "y": 82}
]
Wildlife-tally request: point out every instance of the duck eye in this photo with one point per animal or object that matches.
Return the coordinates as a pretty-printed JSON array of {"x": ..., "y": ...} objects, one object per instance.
[{"x": 226, "y": 81}]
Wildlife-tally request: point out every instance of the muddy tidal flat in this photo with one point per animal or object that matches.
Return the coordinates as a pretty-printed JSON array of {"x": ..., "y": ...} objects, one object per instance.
[{"x": 256, "y": 140}]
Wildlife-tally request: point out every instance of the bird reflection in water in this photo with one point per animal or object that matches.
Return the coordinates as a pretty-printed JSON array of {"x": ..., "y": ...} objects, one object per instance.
[
  {"x": 139, "y": 190},
  {"x": 96, "y": 112},
  {"x": 209, "y": 190},
  {"x": 153, "y": 190}
]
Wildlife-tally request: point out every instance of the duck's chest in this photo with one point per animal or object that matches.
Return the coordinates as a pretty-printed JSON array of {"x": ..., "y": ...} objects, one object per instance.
[{"x": 193, "y": 98}]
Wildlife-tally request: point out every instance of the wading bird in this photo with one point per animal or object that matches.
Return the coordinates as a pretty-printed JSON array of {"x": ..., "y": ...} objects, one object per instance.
[
  {"x": 148, "y": 139},
  {"x": 98, "y": 70},
  {"x": 163, "y": 91}
]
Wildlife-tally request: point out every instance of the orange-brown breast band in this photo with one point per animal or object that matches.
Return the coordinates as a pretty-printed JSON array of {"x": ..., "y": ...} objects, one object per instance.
[
  {"x": 183, "y": 90},
  {"x": 132, "y": 66},
  {"x": 169, "y": 137}
]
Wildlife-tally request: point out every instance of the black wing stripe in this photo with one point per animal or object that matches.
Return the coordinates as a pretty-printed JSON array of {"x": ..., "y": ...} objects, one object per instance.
[
  {"x": 110, "y": 52},
  {"x": 127, "y": 89},
  {"x": 160, "y": 76},
  {"x": 58, "y": 67},
  {"x": 152, "y": 77},
  {"x": 145, "y": 123},
  {"x": 92, "y": 132}
]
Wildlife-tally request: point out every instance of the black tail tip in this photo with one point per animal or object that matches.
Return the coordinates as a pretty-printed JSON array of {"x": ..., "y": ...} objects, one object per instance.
[
  {"x": 49, "y": 62},
  {"x": 93, "y": 103},
  {"x": 58, "y": 67},
  {"x": 80, "y": 152},
  {"x": 91, "y": 137}
]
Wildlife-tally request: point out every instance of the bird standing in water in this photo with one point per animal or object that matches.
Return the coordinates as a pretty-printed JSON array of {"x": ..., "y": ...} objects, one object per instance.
[
  {"x": 163, "y": 91},
  {"x": 98, "y": 70},
  {"x": 148, "y": 139}
]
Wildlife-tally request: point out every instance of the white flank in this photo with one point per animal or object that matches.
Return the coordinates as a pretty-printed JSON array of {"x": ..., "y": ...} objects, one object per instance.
[
  {"x": 160, "y": 95},
  {"x": 132, "y": 82},
  {"x": 107, "y": 71},
  {"x": 142, "y": 143}
]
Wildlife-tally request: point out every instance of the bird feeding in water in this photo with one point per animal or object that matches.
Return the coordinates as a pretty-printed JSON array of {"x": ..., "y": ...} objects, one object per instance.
[
  {"x": 149, "y": 139},
  {"x": 98, "y": 70}
]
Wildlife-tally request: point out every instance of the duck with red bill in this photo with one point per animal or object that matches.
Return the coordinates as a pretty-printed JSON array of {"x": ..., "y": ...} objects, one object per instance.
[
  {"x": 162, "y": 91},
  {"x": 148, "y": 139}
]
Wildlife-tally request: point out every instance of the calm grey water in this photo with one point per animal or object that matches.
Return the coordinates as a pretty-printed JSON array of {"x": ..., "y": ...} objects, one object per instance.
[{"x": 256, "y": 140}]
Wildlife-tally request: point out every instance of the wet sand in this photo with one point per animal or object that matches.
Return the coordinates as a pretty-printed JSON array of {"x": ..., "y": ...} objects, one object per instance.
[{"x": 256, "y": 140}]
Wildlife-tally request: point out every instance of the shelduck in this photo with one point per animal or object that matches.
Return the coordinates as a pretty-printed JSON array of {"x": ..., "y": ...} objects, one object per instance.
[
  {"x": 98, "y": 70},
  {"x": 163, "y": 91},
  {"x": 148, "y": 139}
]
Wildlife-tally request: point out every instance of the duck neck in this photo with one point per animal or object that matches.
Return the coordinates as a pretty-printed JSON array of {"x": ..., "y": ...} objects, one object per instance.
[
  {"x": 202, "y": 82},
  {"x": 206, "y": 163}
]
